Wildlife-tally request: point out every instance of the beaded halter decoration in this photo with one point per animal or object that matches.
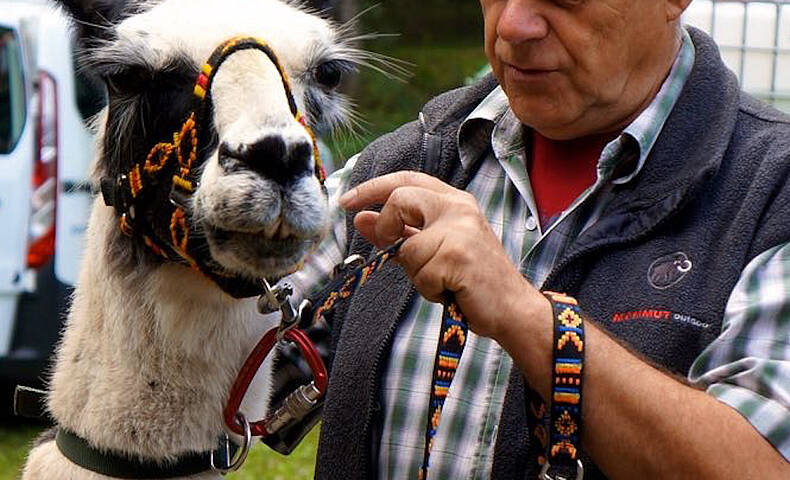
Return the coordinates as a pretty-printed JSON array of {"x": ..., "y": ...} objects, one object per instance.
[{"x": 152, "y": 199}]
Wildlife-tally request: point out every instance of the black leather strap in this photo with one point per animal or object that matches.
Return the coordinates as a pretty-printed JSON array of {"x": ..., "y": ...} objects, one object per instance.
[
  {"x": 30, "y": 403},
  {"x": 118, "y": 465}
]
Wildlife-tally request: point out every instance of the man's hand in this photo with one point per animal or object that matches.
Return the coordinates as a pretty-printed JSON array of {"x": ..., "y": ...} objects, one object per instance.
[{"x": 450, "y": 248}]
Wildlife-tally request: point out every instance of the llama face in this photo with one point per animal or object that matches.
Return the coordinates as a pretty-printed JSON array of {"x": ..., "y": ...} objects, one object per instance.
[{"x": 258, "y": 202}]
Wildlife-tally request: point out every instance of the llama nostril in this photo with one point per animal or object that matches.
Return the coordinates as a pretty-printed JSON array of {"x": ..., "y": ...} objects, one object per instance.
[
  {"x": 268, "y": 149},
  {"x": 301, "y": 154},
  {"x": 272, "y": 158}
]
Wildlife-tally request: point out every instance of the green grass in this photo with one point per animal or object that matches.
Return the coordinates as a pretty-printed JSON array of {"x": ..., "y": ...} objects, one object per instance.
[
  {"x": 14, "y": 445},
  {"x": 265, "y": 463},
  {"x": 262, "y": 462}
]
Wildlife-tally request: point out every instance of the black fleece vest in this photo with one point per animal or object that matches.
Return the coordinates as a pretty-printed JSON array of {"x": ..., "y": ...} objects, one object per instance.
[{"x": 655, "y": 271}]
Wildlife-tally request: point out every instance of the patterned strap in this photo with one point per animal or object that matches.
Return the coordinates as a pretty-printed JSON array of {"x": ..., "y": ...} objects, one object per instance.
[
  {"x": 565, "y": 419},
  {"x": 452, "y": 340},
  {"x": 344, "y": 287}
]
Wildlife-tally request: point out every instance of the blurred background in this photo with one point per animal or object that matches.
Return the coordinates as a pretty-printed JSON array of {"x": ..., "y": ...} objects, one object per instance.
[
  {"x": 45, "y": 150},
  {"x": 441, "y": 42}
]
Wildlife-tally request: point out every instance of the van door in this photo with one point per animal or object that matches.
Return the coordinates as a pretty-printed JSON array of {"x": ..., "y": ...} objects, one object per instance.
[
  {"x": 16, "y": 153},
  {"x": 75, "y": 143}
]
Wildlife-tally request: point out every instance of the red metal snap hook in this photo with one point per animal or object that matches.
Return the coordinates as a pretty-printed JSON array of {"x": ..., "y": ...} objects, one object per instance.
[{"x": 297, "y": 404}]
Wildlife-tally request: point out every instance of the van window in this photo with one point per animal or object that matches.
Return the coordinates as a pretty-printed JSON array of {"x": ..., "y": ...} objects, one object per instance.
[{"x": 12, "y": 91}]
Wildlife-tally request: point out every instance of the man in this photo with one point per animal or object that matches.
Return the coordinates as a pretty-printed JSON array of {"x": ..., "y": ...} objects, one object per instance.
[{"x": 613, "y": 159}]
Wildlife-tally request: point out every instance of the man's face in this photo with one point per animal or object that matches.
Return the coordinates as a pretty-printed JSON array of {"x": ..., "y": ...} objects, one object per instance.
[{"x": 576, "y": 67}]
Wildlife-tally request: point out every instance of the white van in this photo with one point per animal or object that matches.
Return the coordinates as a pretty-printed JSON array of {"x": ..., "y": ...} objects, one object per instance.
[{"x": 45, "y": 153}]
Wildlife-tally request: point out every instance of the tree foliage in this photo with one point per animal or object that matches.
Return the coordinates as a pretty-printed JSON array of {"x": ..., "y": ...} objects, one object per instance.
[{"x": 420, "y": 21}]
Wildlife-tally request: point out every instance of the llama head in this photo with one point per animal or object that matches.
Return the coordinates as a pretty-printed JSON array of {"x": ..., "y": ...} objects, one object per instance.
[{"x": 257, "y": 205}]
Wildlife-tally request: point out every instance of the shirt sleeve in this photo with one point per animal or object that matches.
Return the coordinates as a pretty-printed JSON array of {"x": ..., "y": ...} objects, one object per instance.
[
  {"x": 748, "y": 366},
  {"x": 332, "y": 250}
]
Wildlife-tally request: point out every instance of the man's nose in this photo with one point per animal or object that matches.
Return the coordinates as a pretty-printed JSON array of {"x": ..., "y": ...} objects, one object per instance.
[
  {"x": 275, "y": 158},
  {"x": 522, "y": 21}
]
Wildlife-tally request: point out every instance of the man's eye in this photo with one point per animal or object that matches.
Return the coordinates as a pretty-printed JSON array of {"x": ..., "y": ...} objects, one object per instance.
[{"x": 569, "y": 3}]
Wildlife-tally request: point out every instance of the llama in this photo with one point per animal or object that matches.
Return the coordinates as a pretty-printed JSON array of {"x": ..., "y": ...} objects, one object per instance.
[{"x": 151, "y": 347}]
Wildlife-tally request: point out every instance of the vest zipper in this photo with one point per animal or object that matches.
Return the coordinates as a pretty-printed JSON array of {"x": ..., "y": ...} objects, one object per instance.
[
  {"x": 375, "y": 380},
  {"x": 424, "y": 145},
  {"x": 375, "y": 375}
]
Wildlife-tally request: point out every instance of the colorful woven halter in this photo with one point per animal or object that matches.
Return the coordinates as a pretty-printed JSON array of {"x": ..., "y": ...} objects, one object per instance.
[{"x": 152, "y": 198}]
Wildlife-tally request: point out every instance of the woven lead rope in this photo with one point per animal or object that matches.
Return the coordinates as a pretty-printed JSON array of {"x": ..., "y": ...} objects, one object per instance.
[
  {"x": 339, "y": 290},
  {"x": 452, "y": 340}
]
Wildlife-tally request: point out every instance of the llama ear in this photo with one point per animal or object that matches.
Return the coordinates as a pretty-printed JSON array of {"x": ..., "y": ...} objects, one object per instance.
[{"x": 92, "y": 18}]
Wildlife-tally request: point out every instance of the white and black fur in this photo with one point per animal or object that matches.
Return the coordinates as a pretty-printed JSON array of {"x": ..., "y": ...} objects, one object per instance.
[{"x": 151, "y": 349}]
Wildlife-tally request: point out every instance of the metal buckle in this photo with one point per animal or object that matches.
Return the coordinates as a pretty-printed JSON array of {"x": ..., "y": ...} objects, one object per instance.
[
  {"x": 275, "y": 298},
  {"x": 279, "y": 298},
  {"x": 544, "y": 472},
  {"x": 241, "y": 456}
]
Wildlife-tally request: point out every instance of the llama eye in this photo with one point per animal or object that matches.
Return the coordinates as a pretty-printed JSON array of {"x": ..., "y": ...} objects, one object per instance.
[
  {"x": 114, "y": 85},
  {"x": 329, "y": 74},
  {"x": 129, "y": 81}
]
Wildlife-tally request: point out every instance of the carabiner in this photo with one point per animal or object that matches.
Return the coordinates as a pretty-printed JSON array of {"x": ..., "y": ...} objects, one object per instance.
[{"x": 250, "y": 368}]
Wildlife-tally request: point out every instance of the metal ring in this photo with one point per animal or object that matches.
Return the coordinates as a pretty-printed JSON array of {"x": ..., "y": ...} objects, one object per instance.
[
  {"x": 241, "y": 457},
  {"x": 544, "y": 472},
  {"x": 685, "y": 266},
  {"x": 350, "y": 263}
]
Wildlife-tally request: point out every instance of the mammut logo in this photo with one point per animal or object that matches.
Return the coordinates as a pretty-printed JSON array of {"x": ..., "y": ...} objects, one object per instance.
[
  {"x": 668, "y": 270},
  {"x": 644, "y": 314},
  {"x": 658, "y": 315}
]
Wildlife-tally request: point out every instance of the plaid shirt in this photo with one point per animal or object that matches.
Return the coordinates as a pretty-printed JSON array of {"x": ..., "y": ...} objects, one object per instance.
[{"x": 748, "y": 366}]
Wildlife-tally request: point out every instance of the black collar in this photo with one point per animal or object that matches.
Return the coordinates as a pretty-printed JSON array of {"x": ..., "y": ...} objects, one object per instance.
[{"x": 119, "y": 465}]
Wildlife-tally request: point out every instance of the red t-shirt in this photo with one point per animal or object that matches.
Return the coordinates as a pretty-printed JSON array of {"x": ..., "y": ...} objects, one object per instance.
[{"x": 560, "y": 170}]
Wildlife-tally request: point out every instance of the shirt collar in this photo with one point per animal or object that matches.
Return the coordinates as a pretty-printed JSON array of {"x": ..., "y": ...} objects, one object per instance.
[
  {"x": 646, "y": 128},
  {"x": 493, "y": 123}
]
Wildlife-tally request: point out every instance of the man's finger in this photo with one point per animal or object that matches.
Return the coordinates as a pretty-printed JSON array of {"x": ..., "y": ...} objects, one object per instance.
[
  {"x": 378, "y": 190},
  {"x": 365, "y": 223},
  {"x": 421, "y": 259},
  {"x": 406, "y": 207}
]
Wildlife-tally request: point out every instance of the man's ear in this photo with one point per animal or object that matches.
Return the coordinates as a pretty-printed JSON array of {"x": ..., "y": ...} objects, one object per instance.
[
  {"x": 675, "y": 8},
  {"x": 92, "y": 18}
]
